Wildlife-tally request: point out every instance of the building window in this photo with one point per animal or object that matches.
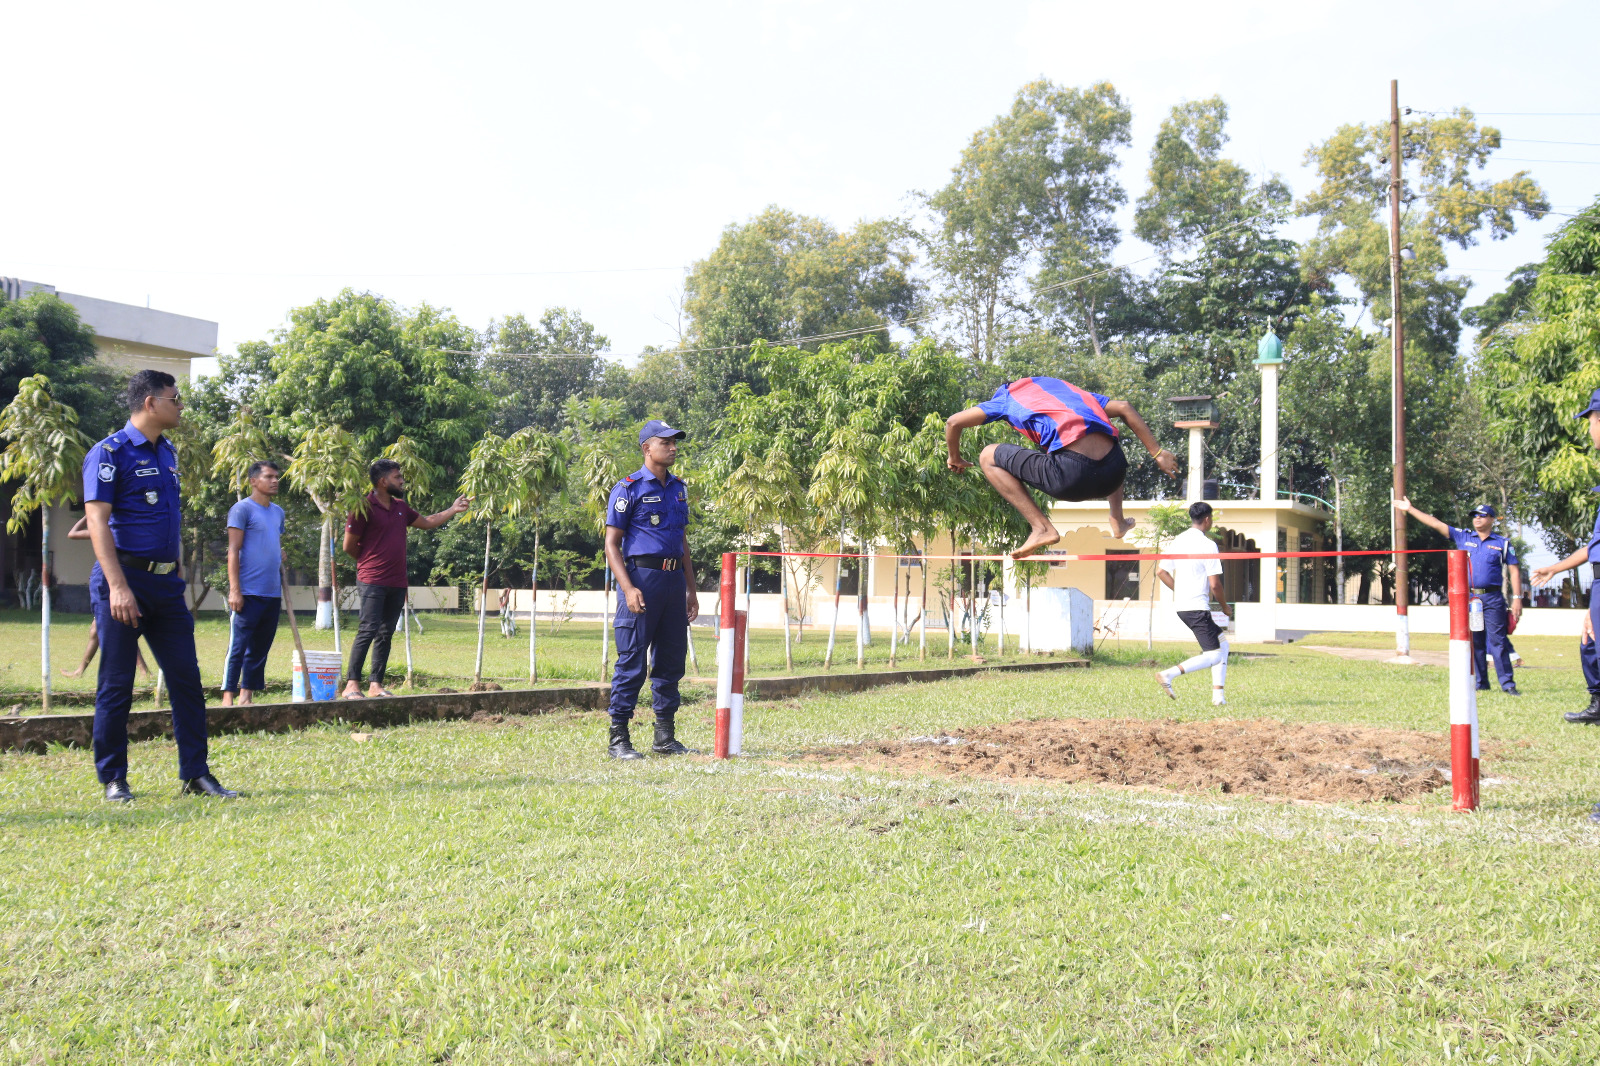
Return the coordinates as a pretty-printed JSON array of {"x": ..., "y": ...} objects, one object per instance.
[{"x": 1122, "y": 578}]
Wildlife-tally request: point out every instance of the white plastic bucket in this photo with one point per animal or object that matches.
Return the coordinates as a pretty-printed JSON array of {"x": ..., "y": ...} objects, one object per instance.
[{"x": 323, "y": 669}]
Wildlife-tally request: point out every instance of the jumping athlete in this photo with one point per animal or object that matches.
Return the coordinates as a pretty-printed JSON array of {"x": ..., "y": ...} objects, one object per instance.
[
  {"x": 1194, "y": 584},
  {"x": 1076, "y": 454}
]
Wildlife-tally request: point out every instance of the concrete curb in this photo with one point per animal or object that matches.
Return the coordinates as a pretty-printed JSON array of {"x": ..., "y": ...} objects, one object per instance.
[{"x": 35, "y": 733}]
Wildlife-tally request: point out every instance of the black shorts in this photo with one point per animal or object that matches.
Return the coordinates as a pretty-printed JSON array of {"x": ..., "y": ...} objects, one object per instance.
[
  {"x": 1065, "y": 474},
  {"x": 1204, "y": 628}
]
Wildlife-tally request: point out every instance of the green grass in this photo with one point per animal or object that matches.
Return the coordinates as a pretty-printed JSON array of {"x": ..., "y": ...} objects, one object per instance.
[
  {"x": 472, "y": 894},
  {"x": 444, "y": 653}
]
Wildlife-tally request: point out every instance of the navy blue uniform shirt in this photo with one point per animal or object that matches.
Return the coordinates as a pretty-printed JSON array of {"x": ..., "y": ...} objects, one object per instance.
[
  {"x": 138, "y": 477},
  {"x": 1594, "y": 539},
  {"x": 652, "y": 515},
  {"x": 1487, "y": 557}
]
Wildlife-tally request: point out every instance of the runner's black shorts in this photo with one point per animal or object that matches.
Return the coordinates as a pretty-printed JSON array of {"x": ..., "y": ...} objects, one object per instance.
[
  {"x": 1065, "y": 474},
  {"x": 1204, "y": 628}
]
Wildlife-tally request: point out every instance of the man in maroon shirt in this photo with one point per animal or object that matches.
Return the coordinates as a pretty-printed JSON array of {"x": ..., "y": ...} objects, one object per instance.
[{"x": 377, "y": 542}]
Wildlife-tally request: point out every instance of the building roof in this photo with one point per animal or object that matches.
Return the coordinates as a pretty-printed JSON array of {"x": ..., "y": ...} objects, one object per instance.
[{"x": 129, "y": 324}]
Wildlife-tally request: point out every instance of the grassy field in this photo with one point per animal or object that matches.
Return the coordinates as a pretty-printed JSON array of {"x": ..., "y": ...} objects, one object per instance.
[
  {"x": 443, "y": 654},
  {"x": 476, "y": 893}
]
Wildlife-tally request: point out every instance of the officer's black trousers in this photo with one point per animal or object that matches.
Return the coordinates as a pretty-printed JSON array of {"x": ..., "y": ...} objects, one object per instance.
[
  {"x": 664, "y": 626},
  {"x": 168, "y": 627}
]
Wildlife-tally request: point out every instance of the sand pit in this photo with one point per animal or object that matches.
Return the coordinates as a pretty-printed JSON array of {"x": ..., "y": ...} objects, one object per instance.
[{"x": 1318, "y": 761}]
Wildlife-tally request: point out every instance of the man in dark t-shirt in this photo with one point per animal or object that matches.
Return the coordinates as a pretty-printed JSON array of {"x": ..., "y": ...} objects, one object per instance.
[{"x": 377, "y": 542}]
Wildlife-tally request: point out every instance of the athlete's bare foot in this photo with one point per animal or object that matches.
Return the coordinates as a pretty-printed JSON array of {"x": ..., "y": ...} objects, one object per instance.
[
  {"x": 227, "y": 698},
  {"x": 1035, "y": 542},
  {"x": 1121, "y": 526}
]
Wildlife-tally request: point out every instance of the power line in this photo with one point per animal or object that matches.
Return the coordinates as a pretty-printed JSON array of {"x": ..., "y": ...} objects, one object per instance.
[{"x": 1575, "y": 144}]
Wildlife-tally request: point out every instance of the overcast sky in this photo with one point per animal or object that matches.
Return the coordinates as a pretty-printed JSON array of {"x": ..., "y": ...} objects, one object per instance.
[{"x": 232, "y": 161}]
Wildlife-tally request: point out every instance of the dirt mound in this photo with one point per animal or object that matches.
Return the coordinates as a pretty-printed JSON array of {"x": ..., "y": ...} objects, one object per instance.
[{"x": 1262, "y": 757}]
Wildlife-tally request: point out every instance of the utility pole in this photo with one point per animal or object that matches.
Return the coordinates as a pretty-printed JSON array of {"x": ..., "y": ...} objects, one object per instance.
[{"x": 1397, "y": 331}]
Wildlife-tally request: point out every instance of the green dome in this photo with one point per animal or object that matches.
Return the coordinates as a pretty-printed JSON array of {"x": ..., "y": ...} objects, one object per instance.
[{"x": 1270, "y": 350}]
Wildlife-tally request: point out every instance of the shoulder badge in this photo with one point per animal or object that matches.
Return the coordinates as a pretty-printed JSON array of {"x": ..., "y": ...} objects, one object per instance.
[
  {"x": 112, "y": 442},
  {"x": 108, "y": 471},
  {"x": 622, "y": 503}
]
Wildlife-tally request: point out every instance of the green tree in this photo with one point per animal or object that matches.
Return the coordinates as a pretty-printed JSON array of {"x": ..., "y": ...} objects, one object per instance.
[
  {"x": 1441, "y": 204},
  {"x": 1538, "y": 369},
  {"x": 44, "y": 452},
  {"x": 782, "y": 276},
  {"x": 360, "y": 362},
  {"x": 538, "y": 467},
  {"x": 533, "y": 369},
  {"x": 1037, "y": 183},
  {"x": 42, "y": 334},
  {"x": 489, "y": 482},
  {"x": 327, "y": 466}
]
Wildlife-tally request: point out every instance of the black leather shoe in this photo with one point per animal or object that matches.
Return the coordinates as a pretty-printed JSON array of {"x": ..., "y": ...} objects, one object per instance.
[
  {"x": 1510, "y": 690},
  {"x": 1590, "y": 715},
  {"x": 206, "y": 785},
  {"x": 118, "y": 791},
  {"x": 621, "y": 743},
  {"x": 667, "y": 741}
]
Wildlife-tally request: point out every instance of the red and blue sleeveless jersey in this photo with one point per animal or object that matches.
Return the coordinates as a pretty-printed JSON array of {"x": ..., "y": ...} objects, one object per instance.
[{"x": 1048, "y": 411}]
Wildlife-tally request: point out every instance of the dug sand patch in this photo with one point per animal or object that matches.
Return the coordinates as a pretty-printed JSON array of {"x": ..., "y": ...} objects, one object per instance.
[{"x": 1317, "y": 761}]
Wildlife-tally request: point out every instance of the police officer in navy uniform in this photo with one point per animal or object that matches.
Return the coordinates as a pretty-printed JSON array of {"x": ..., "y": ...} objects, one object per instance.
[
  {"x": 130, "y": 496},
  {"x": 1490, "y": 556},
  {"x": 646, "y": 516},
  {"x": 1588, "y": 554}
]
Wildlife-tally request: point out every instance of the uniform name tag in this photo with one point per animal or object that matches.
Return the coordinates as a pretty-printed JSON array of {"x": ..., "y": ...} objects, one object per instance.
[
  {"x": 146, "y": 471},
  {"x": 651, "y": 499}
]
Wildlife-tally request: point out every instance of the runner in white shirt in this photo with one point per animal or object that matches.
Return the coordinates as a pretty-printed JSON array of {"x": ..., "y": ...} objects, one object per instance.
[{"x": 1194, "y": 584}]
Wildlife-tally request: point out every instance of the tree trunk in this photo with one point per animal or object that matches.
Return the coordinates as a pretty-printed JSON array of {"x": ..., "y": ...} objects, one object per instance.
[
  {"x": 294, "y": 628},
  {"x": 950, "y": 623},
  {"x": 972, "y": 571},
  {"x": 405, "y": 628},
  {"x": 44, "y": 604},
  {"x": 838, "y": 585},
  {"x": 894, "y": 618},
  {"x": 333, "y": 588},
  {"x": 605, "y": 624},
  {"x": 483, "y": 605},
  {"x": 783, "y": 582},
  {"x": 533, "y": 609},
  {"x": 325, "y": 576},
  {"x": 922, "y": 615}
]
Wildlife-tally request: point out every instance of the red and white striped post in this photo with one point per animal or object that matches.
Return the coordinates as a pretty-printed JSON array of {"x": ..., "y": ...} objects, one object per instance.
[
  {"x": 741, "y": 623},
  {"x": 725, "y": 655},
  {"x": 1464, "y": 664}
]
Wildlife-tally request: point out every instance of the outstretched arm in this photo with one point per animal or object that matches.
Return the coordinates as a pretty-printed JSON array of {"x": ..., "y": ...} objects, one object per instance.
[
  {"x": 434, "y": 521},
  {"x": 954, "y": 426},
  {"x": 1542, "y": 576},
  {"x": 1404, "y": 504},
  {"x": 1164, "y": 459}
]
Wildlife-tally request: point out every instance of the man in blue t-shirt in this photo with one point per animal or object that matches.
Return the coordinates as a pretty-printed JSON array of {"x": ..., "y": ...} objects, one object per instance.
[{"x": 255, "y": 589}]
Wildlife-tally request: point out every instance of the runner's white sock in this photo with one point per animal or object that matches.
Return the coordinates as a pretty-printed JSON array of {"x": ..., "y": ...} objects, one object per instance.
[{"x": 1219, "y": 672}]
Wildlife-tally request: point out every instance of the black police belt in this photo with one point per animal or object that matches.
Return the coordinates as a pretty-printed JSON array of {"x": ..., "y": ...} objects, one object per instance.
[
  {"x": 657, "y": 562},
  {"x": 1476, "y": 591},
  {"x": 133, "y": 562}
]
